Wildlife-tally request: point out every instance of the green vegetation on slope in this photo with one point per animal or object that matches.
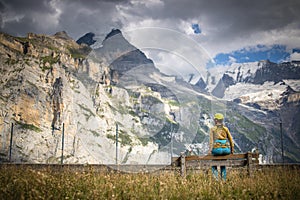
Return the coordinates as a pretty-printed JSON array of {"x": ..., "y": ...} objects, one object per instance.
[
  {"x": 28, "y": 126},
  {"x": 123, "y": 138}
]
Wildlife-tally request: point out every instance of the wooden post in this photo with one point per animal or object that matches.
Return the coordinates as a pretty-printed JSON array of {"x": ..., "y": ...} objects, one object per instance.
[
  {"x": 249, "y": 163},
  {"x": 11, "y": 140},
  {"x": 281, "y": 136},
  {"x": 117, "y": 143},
  {"x": 182, "y": 165},
  {"x": 171, "y": 140},
  {"x": 62, "y": 144}
]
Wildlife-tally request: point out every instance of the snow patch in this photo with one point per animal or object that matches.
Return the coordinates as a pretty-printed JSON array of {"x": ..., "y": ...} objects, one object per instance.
[{"x": 255, "y": 93}]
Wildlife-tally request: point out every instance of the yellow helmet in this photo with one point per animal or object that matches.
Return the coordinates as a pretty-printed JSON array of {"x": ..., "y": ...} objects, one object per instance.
[{"x": 219, "y": 116}]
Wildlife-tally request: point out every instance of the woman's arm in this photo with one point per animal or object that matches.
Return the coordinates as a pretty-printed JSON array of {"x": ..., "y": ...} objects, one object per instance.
[
  {"x": 211, "y": 141},
  {"x": 230, "y": 140}
]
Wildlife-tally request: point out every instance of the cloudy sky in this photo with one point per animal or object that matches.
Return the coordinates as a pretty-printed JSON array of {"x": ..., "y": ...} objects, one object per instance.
[{"x": 226, "y": 31}]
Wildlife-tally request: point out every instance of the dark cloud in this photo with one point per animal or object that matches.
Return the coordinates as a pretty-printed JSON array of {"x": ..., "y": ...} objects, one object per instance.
[
  {"x": 21, "y": 17},
  {"x": 19, "y": 6},
  {"x": 232, "y": 17},
  {"x": 78, "y": 18},
  {"x": 74, "y": 16},
  {"x": 261, "y": 13},
  {"x": 223, "y": 23}
]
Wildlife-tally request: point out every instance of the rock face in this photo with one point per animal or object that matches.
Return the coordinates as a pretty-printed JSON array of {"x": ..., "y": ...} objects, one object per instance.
[
  {"x": 112, "y": 104},
  {"x": 222, "y": 85},
  {"x": 256, "y": 73}
]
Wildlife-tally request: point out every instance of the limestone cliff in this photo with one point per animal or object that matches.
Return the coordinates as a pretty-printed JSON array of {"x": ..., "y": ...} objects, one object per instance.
[{"x": 48, "y": 81}]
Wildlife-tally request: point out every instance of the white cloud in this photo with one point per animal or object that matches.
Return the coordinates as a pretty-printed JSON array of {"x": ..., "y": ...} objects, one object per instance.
[
  {"x": 10, "y": 17},
  {"x": 186, "y": 27},
  {"x": 148, "y": 3},
  {"x": 170, "y": 46},
  {"x": 232, "y": 59},
  {"x": 173, "y": 64}
]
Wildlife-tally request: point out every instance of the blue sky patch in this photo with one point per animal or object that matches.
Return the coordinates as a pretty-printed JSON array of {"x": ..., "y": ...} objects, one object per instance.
[
  {"x": 274, "y": 53},
  {"x": 196, "y": 28},
  {"x": 296, "y": 50}
]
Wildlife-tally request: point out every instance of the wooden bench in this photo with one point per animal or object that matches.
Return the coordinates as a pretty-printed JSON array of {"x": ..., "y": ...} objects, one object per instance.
[{"x": 248, "y": 160}]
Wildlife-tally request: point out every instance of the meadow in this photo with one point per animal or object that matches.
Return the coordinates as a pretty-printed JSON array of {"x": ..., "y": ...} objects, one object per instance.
[{"x": 28, "y": 183}]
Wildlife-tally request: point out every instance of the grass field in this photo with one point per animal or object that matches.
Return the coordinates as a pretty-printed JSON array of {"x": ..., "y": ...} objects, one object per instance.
[{"x": 28, "y": 183}]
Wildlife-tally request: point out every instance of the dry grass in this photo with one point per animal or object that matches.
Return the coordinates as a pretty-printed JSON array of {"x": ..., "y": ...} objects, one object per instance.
[{"x": 28, "y": 183}]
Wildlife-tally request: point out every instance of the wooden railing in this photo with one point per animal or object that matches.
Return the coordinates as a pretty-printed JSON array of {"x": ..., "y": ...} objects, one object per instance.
[{"x": 248, "y": 160}]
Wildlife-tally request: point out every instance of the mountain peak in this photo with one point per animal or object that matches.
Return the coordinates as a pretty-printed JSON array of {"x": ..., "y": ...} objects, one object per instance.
[
  {"x": 63, "y": 35},
  {"x": 88, "y": 39},
  {"x": 112, "y": 33}
]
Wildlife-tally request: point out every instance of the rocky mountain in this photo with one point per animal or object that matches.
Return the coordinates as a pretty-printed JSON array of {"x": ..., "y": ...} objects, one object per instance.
[
  {"x": 256, "y": 73},
  {"x": 110, "y": 104},
  {"x": 87, "y": 39},
  {"x": 267, "y": 87}
]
